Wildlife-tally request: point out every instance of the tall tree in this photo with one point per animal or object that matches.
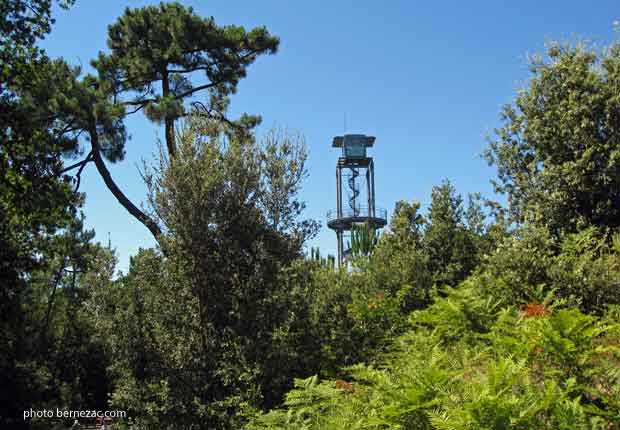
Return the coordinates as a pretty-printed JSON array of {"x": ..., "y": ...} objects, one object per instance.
[
  {"x": 201, "y": 323},
  {"x": 166, "y": 43},
  {"x": 447, "y": 239},
  {"x": 34, "y": 204},
  {"x": 71, "y": 113},
  {"x": 169, "y": 46},
  {"x": 47, "y": 356},
  {"x": 558, "y": 152}
]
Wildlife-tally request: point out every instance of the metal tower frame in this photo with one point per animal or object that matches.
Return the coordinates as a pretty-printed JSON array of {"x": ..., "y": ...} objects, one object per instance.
[{"x": 354, "y": 159}]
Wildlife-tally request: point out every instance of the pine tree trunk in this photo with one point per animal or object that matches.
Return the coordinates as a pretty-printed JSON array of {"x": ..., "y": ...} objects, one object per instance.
[
  {"x": 169, "y": 122},
  {"x": 116, "y": 191}
]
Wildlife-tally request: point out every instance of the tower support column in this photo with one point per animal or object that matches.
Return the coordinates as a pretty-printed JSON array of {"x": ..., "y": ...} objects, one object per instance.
[
  {"x": 340, "y": 247},
  {"x": 339, "y": 190},
  {"x": 371, "y": 207}
]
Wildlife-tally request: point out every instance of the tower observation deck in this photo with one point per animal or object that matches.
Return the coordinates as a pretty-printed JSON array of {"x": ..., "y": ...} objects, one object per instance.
[{"x": 359, "y": 208}]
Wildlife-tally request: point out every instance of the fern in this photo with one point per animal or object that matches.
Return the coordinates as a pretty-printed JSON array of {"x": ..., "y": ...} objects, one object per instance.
[{"x": 469, "y": 364}]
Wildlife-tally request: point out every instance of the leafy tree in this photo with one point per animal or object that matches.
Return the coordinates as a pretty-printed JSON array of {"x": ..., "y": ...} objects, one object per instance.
[
  {"x": 583, "y": 268},
  {"x": 557, "y": 154},
  {"x": 149, "y": 320},
  {"x": 62, "y": 333},
  {"x": 226, "y": 270},
  {"x": 400, "y": 263},
  {"x": 587, "y": 270},
  {"x": 407, "y": 223},
  {"x": 449, "y": 242},
  {"x": 283, "y": 159}
]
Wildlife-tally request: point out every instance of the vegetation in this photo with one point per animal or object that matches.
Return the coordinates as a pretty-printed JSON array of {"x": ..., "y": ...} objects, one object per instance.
[
  {"x": 557, "y": 153},
  {"x": 469, "y": 315},
  {"x": 363, "y": 240},
  {"x": 470, "y": 363}
]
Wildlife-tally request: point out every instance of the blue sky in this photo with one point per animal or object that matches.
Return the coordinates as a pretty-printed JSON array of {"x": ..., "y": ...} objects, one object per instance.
[{"x": 428, "y": 79}]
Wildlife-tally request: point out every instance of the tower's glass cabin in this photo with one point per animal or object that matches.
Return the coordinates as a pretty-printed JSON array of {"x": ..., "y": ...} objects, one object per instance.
[{"x": 353, "y": 145}]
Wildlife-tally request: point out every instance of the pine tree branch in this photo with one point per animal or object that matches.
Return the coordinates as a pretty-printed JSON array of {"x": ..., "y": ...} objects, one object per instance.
[
  {"x": 80, "y": 164},
  {"x": 193, "y": 69},
  {"x": 214, "y": 114},
  {"x": 199, "y": 88},
  {"x": 78, "y": 175},
  {"x": 141, "y": 103},
  {"x": 139, "y": 108}
]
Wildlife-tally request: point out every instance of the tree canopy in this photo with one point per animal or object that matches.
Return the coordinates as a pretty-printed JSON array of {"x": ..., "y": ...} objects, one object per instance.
[
  {"x": 558, "y": 153},
  {"x": 171, "y": 45},
  {"x": 168, "y": 43}
]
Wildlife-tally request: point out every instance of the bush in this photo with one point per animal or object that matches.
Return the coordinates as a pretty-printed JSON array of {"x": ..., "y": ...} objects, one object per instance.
[
  {"x": 584, "y": 268},
  {"x": 543, "y": 366}
]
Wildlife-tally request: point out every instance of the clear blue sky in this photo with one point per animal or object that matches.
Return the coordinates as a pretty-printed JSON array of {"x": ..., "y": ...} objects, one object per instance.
[{"x": 428, "y": 79}]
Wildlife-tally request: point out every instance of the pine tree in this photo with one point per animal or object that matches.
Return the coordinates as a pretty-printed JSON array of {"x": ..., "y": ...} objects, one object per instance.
[
  {"x": 166, "y": 43},
  {"x": 165, "y": 46}
]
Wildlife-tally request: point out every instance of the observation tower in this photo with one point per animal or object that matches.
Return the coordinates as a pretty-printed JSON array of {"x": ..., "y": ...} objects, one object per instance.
[{"x": 359, "y": 208}]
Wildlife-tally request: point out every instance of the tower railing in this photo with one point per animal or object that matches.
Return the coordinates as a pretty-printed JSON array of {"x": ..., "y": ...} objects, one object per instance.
[{"x": 359, "y": 212}]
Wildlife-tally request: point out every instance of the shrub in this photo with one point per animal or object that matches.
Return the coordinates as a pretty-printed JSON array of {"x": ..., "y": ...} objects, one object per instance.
[
  {"x": 584, "y": 268},
  {"x": 552, "y": 370}
]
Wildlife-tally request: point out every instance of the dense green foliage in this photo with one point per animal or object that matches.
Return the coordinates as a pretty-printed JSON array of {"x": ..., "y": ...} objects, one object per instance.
[
  {"x": 49, "y": 354},
  {"x": 583, "y": 268},
  {"x": 469, "y": 363},
  {"x": 223, "y": 269},
  {"x": 558, "y": 154},
  {"x": 450, "y": 235}
]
